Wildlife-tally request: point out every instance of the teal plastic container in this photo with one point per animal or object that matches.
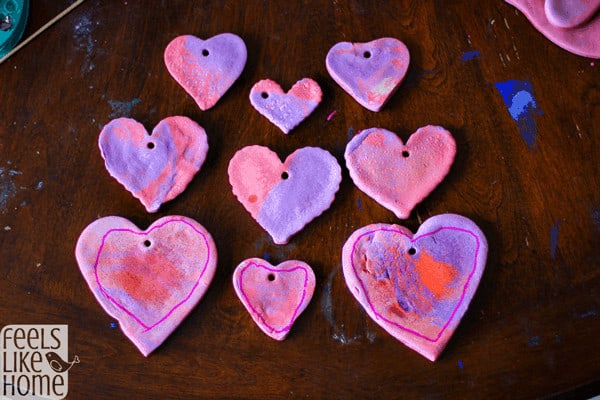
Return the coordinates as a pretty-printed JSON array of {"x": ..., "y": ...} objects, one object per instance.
[{"x": 13, "y": 19}]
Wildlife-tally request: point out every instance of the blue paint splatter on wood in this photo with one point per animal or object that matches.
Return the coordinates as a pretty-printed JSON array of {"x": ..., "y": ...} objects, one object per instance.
[
  {"x": 122, "y": 108},
  {"x": 470, "y": 55},
  {"x": 587, "y": 314},
  {"x": 112, "y": 325},
  {"x": 554, "y": 240},
  {"x": 460, "y": 364},
  {"x": 8, "y": 188},
  {"x": 359, "y": 204},
  {"x": 521, "y": 105},
  {"x": 350, "y": 133},
  {"x": 596, "y": 216},
  {"x": 534, "y": 341},
  {"x": 266, "y": 256}
]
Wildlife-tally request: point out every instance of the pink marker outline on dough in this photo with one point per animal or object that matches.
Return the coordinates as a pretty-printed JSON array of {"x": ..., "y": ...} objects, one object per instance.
[
  {"x": 259, "y": 315},
  {"x": 144, "y": 233},
  {"x": 413, "y": 240}
]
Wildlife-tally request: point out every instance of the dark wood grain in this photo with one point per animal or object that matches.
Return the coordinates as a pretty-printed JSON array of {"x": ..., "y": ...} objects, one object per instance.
[{"x": 532, "y": 329}]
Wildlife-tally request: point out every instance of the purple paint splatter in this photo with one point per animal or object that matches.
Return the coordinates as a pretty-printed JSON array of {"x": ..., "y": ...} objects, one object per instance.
[
  {"x": 534, "y": 341},
  {"x": 470, "y": 55},
  {"x": 521, "y": 105},
  {"x": 596, "y": 216},
  {"x": 331, "y": 115},
  {"x": 460, "y": 364},
  {"x": 359, "y": 204},
  {"x": 554, "y": 240}
]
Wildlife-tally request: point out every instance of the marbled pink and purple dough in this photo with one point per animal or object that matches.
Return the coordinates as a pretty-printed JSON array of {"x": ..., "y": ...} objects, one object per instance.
[
  {"x": 148, "y": 280},
  {"x": 573, "y": 25},
  {"x": 370, "y": 72},
  {"x": 399, "y": 176},
  {"x": 206, "y": 69},
  {"x": 286, "y": 110},
  {"x": 284, "y": 197},
  {"x": 275, "y": 296},
  {"x": 154, "y": 167},
  {"x": 416, "y": 287}
]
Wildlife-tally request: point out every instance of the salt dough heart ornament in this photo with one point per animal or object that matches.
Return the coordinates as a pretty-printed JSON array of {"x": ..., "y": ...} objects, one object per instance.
[
  {"x": 573, "y": 25},
  {"x": 286, "y": 110},
  {"x": 399, "y": 176},
  {"x": 206, "y": 69},
  {"x": 274, "y": 295},
  {"x": 369, "y": 72},
  {"x": 416, "y": 287},
  {"x": 284, "y": 197},
  {"x": 154, "y": 167},
  {"x": 148, "y": 280}
]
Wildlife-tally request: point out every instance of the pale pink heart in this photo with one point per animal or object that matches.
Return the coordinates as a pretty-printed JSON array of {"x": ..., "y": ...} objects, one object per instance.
[
  {"x": 399, "y": 176},
  {"x": 154, "y": 167},
  {"x": 369, "y": 72},
  {"x": 275, "y": 296},
  {"x": 416, "y": 287},
  {"x": 286, "y": 110},
  {"x": 148, "y": 280}
]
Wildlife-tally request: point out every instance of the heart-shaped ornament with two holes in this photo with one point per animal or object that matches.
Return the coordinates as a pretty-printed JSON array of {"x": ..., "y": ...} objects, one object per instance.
[
  {"x": 154, "y": 167},
  {"x": 148, "y": 280},
  {"x": 206, "y": 69},
  {"x": 286, "y": 110},
  {"x": 274, "y": 295},
  {"x": 399, "y": 176},
  {"x": 416, "y": 287},
  {"x": 284, "y": 197},
  {"x": 369, "y": 72}
]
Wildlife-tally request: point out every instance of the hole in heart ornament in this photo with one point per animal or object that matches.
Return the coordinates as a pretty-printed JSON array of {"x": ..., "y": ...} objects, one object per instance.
[
  {"x": 416, "y": 287},
  {"x": 151, "y": 288}
]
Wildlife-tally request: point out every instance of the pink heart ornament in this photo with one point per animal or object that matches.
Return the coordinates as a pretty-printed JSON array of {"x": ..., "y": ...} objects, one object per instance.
[
  {"x": 206, "y": 69},
  {"x": 416, "y": 287},
  {"x": 286, "y": 110},
  {"x": 148, "y": 280},
  {"x": 154, "y": 167},
  {"x": 369, "y": 72},
  {"x": 284, "y": 197},
  {"x": 274, "y": 296},
  {"x": 399, "y": 176}
]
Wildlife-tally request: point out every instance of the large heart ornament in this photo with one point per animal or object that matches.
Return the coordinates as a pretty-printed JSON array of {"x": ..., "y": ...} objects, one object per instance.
[
  {"x": 369, "y": 72},
  {"x": 274, "y": 295},
  {"x": 573, "y": 25},
  {"x": 286, "y": 110},
  {"x": 284, "y": 197},
  {"x": 416, "y": 287},
  {"x": 399, "y": 176},
  {"x": 148, "y": 280},
  {"x": 154, "y": 167},
  {"x": 206, "y": 69}
]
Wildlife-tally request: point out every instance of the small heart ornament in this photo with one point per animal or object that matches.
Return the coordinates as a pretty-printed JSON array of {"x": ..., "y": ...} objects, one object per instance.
[
  {"x": 399, "y": 176},
  {"x": 369, "y": 72},
  {"x": 274, "y": 295},
  {"x": 416, "y": 287},
  {"x": 284, "y": 197},
  {"x": 154, "y": 167},
  {"x": 206, "y": 69},
  {"x": 148, "y": 280},
  {"x": 286, "y": 110}
]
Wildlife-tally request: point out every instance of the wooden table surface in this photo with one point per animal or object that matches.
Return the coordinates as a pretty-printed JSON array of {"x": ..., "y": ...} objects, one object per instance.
[{"x": 531, "y": 331}]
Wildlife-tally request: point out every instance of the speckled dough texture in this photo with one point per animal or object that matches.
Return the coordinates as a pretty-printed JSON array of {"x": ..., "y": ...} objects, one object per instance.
[
  {"x": 286, "y": 110},
  {"x": 573, "y": 25},
  {"x": 154, "y": 167},
  {"x": 274, "y": 296},
  {"x": 284, "y": 197},
  {"x": 369, "y": 72},
  {"x": 399, "y": 176},
  {"x": 206, "y": 69},
  {"x": 416, "y": 287},
  {"x": 148, "y": 280}
]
